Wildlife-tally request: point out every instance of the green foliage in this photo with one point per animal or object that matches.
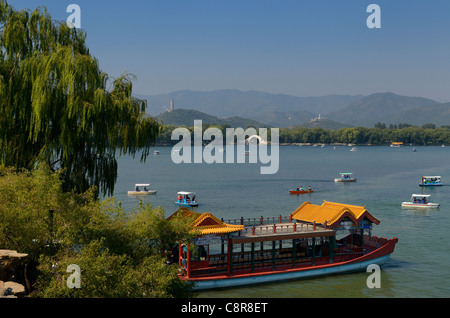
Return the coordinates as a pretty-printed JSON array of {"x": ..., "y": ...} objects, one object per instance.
[
  {"x": 378, "y": 135},
  {"x": 121, "y": 254},
  {"x": 106, "y": 275},
  {"x": 25, "y": 201},
  {"x": 55, "y": 106}
]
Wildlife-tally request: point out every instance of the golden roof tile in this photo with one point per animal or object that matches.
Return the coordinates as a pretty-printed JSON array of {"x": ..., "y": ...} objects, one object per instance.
[
  {"x": 331, "y": 213},
  {"x": 206, "y": 222}
]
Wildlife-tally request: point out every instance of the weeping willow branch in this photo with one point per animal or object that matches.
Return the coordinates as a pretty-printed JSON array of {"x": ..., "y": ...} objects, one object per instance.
[{"x": 56, "y": 106}]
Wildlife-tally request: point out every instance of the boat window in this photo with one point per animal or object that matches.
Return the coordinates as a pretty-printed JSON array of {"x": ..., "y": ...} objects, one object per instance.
[{"x": 199, "y": 252}]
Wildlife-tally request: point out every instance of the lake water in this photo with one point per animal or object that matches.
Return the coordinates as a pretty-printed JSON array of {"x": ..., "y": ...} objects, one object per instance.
[{"x": 386, "y": 177}]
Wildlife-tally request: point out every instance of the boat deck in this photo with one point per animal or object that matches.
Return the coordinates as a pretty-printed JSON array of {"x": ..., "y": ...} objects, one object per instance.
[{"x": 282, "y": 231}]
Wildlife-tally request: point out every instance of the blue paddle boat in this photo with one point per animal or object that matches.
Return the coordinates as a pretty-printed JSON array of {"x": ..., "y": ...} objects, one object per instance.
[{"x": 186, "y": 199}]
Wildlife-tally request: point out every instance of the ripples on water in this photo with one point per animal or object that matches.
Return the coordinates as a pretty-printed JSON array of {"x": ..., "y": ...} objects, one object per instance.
[{"x": 386, "y": 177}]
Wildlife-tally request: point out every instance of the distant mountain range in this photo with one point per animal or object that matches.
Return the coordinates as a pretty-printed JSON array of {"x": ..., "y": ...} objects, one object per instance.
[
  {"x": 252, "y": 108},
  {"x": 231, "y": 102},
  {"x": 383, "y": 107}
]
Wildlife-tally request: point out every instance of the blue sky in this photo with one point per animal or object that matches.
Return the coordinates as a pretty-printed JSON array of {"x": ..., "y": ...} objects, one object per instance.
[{"x": 296, "y": 47}]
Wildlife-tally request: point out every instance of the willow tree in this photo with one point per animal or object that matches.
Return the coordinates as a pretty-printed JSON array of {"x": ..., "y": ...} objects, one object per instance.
[{"x": 58, "y": 107}]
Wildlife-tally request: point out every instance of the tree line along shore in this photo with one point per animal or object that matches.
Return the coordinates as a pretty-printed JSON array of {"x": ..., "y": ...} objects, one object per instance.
[{"x": 380, "y": 134}]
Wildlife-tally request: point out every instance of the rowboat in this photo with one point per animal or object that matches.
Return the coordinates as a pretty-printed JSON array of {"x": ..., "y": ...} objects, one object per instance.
[
  {"x": 430, "y": 181},
  {"x": 300, "y": 191},
  {"x": 186, "y": 199},
  {"x": 345, "y": 177},
  {"x": 304, "y": 244},
  {"x": 420, "y": 201},
  {"x": 141, "y": 189}
]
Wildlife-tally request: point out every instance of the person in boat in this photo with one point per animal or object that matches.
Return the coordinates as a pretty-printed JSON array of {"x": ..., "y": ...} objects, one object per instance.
[
  {"x": 187, "y": 198},
  {"x": 137, "y": 189},
  {"x": 145, "y": 188},
  {"x": 203, "y": 253},
  {"x": 309, "y": 188},
  {"x": 193, "y": 198},
  {"x": 179, "y": 198},
  {"x": 424, "y": 200},
  {"x": 301, "y": 188},
  {"x": 298, "y": 189}
]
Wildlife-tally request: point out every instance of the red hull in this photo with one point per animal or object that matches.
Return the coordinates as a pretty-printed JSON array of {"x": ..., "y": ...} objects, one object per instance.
[
  {"x": 300, "y": 192},
  {"x": 380, "y": 247}
]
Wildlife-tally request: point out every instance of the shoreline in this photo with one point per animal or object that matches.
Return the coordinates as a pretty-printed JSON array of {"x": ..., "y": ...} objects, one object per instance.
[{"x": 325, "y": 144}]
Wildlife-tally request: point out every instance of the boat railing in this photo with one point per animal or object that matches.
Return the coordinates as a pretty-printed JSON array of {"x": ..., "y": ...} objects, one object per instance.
[
  {"x": 375, "y": 241},
  {"x": 278, "y": 228},
  {"x": 259, "y": 221}
]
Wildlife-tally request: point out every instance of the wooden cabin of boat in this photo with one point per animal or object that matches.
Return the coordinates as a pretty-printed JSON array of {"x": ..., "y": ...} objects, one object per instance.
[{"x": 312, "y": 241}]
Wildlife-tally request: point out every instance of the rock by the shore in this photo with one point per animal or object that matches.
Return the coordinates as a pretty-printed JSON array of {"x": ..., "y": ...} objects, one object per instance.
[
  {"x": 9, "y": 262},
  {"x": 11, "y": 289}
]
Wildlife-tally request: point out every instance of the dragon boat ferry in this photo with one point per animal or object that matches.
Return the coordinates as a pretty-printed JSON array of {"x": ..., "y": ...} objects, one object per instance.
[{"x": 312, "y": 241}]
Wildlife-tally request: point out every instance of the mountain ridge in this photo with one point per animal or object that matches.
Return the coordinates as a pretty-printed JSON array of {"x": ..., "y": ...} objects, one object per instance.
[
  {"x": 233, "y": 102},
  {"x": 343, "y": 110},
  {"x": 378, "y": 107}
]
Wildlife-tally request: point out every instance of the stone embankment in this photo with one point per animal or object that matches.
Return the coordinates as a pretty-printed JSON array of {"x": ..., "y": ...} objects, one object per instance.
[{"x": 11, "y": 265}]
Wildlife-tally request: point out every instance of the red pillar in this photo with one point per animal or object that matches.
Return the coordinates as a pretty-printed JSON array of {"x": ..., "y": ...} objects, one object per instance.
[
  {"x": 229, "y": 257},
  {"x": 188, "y": 260}
]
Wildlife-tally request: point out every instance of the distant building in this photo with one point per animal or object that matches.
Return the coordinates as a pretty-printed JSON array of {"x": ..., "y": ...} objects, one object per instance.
[
  {"x": 315, "y": 119},
  {"x": 171, "y": 105}
]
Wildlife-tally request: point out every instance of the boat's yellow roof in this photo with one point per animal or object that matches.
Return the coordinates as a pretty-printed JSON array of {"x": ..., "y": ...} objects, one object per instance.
[
  {"x": 206, "y": 223},
  {"x": 331, "y": 213}
]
